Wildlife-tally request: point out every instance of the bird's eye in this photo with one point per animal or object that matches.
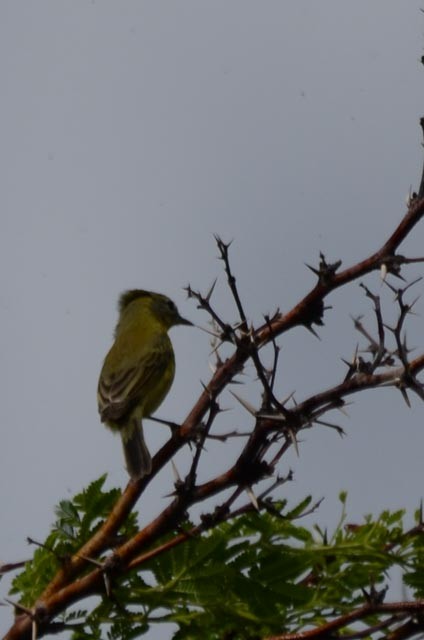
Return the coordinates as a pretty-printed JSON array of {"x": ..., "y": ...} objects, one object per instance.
[{"x": 171, "y": 306}]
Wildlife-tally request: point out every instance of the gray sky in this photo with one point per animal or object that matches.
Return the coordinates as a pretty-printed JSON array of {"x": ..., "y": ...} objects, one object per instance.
[{"x": 133, "y": 131}]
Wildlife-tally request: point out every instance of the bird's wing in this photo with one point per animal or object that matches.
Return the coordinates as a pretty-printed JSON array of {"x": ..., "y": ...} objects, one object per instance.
[{"x": 120, "y": 390}]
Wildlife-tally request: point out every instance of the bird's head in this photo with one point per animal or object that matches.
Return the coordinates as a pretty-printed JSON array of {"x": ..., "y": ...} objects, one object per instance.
[{"x": 159, "y": 305}]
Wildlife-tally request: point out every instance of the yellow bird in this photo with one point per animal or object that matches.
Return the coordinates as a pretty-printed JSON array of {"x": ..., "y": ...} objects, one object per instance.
[{"x": 138, "y": 371}]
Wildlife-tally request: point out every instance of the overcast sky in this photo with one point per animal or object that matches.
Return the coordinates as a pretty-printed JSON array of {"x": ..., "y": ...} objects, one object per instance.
[{"x": 130, "y": 133}]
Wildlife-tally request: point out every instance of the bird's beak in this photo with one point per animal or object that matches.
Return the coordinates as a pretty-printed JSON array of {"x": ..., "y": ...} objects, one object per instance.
[{"x": 184, "y": 321}]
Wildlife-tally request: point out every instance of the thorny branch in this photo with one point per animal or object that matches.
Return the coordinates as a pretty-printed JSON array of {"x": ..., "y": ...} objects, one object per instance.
[
  {"x": 274, "y": 421},
  {"x": 399, "y": 611}
]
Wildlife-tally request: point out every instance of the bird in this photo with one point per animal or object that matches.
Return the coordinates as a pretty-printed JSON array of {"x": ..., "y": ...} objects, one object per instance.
[{"x": 138, "y": 371}]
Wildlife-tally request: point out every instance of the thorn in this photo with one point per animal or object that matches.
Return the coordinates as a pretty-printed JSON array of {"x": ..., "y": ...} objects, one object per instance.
[
  {"x": 20, "y": 607},
  {"x": 409, "y": 199},
  {"x": 342, "y": 410},
  {"x": 108, "y": 586},
  {"x": 221, "y": 244},
  {"x": 209, "y": 293},
  {"x": 413, "y": 303},
  {"x": 294, "y": 441},
  {"x": 251, "y": 333},
  {"x": 205, "y": 388},
  {"x": 405, "y": 397},
  {"x": 249, "y": 407},
  {"x": 253, "y": 499},
  {"x": 99, "y": 565},
  {"x": 383, "y": 272},
  {"x": 275, "y": 417},
  {"x": 326, "y": 270},
  {"x": 170, "y": 495},
  {"x": 398, "y": 275},
  {"x": 36, "y": 613},
  {"x": 188, "y": 290},
  {"x": 287, "y": 398},
  {"x": 411, "y": 284},
  {"x": 211, "y": 333},
  {"x": 174, "y": 426},
  {"x": 177, "y": 476},
  {"x": 216, "y": 349},
  {"x": 105, "y": 567},
  {"x": 312, "y": 330},
  {"x": 225, "y": 409},
  {"x": 315, "y": 271}
]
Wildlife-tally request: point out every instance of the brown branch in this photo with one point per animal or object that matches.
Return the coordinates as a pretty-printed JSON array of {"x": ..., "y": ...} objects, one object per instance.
[
  {"x": 407, "y": 630},
  {"x": 301, "y": 313},
  {"x": 62, "y": 591},
  {"x": 100, "y": 540},
  {"x": 328, "y": 629},
  {"x": 368, "y": 631}
]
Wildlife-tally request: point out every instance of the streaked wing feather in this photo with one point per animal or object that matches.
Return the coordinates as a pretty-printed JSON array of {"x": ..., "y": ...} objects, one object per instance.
[{"x": 118, "y": 395}]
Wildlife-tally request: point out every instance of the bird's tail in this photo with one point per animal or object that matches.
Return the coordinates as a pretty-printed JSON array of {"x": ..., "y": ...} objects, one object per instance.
[{"x": 137, "y": 456}]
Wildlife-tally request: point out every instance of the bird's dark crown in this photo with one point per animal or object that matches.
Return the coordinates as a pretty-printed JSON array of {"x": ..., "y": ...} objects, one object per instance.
[{"x": 129, "y": 296}]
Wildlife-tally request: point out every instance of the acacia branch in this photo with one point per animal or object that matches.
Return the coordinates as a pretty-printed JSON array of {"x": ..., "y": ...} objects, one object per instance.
[
  {"x": 250, "y": 467},
  {"x": 328, "y": 629}
]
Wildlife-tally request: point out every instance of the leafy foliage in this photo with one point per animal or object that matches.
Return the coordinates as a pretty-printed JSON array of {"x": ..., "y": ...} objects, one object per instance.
[
  {"x": 254, "y": 575},
  {"x": 77, "y": 520}
]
